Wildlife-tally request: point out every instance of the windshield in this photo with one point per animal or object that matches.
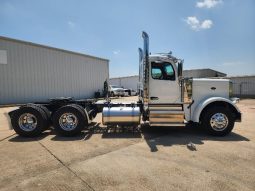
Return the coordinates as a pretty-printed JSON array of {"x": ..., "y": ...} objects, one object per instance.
[{"x": 162, "y": 71}]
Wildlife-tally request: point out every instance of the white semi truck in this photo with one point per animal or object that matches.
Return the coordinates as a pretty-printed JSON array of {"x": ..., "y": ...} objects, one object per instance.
[{"x": 165, "y": 99}]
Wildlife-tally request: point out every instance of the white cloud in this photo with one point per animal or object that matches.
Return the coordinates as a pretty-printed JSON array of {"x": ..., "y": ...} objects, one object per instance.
[
  {"x": 196, "y": 25},
  {"x": 206, "y": 24},
  {"x": 208, "y": 3},
  {"x": 193, "y": 22},
  {"x": 116, "y": 52},
  {"x": 71, "y": 24}
]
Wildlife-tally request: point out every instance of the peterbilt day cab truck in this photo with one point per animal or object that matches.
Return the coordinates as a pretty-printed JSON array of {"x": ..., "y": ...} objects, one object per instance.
[{"x": 165, "y": 99}]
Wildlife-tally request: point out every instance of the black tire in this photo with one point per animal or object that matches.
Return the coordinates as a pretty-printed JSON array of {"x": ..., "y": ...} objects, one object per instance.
[
  {"x": 38, "y": 116},
  {"x": 210, "y": 113},
  {"x": 111, "y": 94},
  {"x": 78, "y": 113},
  {"x": 47, "y": 113}
]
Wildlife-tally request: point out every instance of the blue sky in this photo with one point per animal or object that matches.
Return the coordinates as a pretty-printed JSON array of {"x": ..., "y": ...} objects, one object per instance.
[{"x": 217, "y": 34}]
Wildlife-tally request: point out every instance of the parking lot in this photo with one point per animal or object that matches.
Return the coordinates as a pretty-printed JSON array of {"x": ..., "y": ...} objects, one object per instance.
[{"x": 150, "y": 158}]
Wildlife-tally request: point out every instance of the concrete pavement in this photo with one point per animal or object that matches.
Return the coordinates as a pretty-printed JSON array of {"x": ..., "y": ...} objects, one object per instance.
[{"x": 148, "y": 159}]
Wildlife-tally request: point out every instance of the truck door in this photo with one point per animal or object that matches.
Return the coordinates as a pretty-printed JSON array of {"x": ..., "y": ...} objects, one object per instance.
[{"x": 163, "y": 85}]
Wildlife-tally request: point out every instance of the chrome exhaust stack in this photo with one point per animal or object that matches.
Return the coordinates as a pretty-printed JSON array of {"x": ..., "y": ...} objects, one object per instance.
[
  {"x": 140, "y": 84},
  {"x": 145, "y": 68},
  {"x": 140, "y": 63}
]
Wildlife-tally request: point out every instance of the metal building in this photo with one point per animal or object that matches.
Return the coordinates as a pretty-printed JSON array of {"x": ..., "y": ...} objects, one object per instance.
[
  {"x": 131, "y": 81},
  {"x": 203, "y": 73},
  {"x": 243, "y": 86},
  {"x": 31, "y": 72}
]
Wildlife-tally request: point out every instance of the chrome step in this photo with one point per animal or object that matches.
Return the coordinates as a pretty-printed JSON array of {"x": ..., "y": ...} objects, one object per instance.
[
  {"x": 166, "y": 107},
  {"x": 166, "y": 104},
  {"x": 164, "y": 112},
  {"x": 166, "y": 116},
  {"x": 173, "y": 119},
  {"x": 163, "y": 124}
]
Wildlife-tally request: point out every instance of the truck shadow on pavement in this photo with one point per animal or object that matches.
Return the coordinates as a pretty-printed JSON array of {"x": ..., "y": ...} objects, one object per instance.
[
  {"x": 185, "y": 136},
  {"x": 153, "y": 136}
]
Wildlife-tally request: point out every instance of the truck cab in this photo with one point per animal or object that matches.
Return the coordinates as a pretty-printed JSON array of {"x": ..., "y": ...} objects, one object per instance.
[
  {"x": 169, "y": 99},
  {"x": 164, "y": 84}
]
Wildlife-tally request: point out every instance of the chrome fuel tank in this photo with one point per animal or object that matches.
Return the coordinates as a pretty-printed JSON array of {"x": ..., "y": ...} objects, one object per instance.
[{"x": 121, "y": 115}]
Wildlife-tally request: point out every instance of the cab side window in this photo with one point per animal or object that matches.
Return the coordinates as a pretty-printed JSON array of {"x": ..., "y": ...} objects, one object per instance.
[{"x": 162, "y": 71}]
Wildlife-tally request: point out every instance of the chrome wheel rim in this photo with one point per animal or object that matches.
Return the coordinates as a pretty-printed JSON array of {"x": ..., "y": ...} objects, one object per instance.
[
  {"x": 27, "y": 122},
  {"x": 219, "y": 121},
  {"x": 68, "y": 121}
]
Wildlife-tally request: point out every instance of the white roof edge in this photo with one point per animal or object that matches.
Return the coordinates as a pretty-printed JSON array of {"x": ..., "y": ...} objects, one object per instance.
[{"x": 50, "y": 47}]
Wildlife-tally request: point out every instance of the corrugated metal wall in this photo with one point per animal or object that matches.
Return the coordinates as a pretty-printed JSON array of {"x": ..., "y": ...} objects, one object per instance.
[
  {"x": 115, "y": 81},
  {"x": 36, "y": 73},
  {"x": 243, "y": 86}
]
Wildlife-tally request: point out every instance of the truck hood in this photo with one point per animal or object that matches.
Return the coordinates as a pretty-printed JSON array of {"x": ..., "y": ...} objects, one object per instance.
[{"x": 209, "y": 87}]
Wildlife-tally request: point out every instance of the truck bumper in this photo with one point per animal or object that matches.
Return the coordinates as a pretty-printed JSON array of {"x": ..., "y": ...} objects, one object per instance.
[{"x": 238, "y": 115}]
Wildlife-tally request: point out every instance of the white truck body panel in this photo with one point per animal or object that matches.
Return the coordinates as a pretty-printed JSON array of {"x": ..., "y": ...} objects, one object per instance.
[
  {"x": 204, "y": 88},
  {"x": 167, "y": 91},
  {"x": 204, "y": 92}
]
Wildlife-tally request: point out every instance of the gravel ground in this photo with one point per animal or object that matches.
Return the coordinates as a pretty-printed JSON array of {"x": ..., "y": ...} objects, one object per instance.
[{"x": 148, "y": 159}]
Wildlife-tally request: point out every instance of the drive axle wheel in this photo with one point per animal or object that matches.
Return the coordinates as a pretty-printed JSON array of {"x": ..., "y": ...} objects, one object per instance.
[
  {"x": 29, "y": 121},
  {"x": 70, "y": 120},
  {"x": 218, "y": 121},
  {"x": 46, "y": 112}
]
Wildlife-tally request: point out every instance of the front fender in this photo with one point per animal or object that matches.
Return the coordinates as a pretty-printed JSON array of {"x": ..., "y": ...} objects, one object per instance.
[{"x": 199, "y": 108}]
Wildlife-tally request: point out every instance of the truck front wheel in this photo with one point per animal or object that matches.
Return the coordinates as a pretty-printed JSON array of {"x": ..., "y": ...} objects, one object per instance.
[
  {"x": 70, "y": 120},
  {"x": 218, "y": 121}
]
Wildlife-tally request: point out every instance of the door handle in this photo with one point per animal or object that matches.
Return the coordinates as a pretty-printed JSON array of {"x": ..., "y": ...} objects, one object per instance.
[{"x": 154, "y": 98}]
